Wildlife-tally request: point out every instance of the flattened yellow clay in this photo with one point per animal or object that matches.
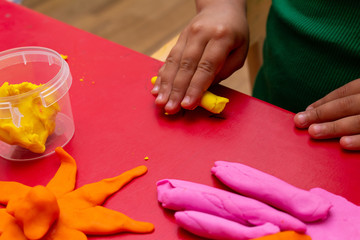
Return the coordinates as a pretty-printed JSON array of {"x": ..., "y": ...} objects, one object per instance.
[
  {"x": 36, "y": 122},
  {"x": 209, "y": 101}
]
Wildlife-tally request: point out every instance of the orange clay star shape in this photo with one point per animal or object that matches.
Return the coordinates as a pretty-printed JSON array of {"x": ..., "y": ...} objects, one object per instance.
[{"x": 58, "y": 212}]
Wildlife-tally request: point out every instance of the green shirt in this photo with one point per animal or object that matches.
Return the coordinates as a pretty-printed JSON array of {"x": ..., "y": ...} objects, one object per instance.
[{"x": 312, "y": 47}]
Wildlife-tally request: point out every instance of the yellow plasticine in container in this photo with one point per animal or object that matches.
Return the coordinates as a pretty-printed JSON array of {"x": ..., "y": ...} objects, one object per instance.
[
  {"x": 209, "y": 101},
  {"x": 35, "y": 109},
  {"x": 35, "y": 122}
]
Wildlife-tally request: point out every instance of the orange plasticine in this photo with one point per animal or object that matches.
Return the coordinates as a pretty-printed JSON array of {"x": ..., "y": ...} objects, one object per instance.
[
  {"x": 58, "y": 212},
  {"x": 60, "y": 231},
  {"x": 9, "y": 190},
  {"x": 35, "y": 212},
  {"x": 286, "y": 235},
  {"x": 9, "y": 230},
  {"x": 65, "y": 178},
  {"x": 96, "y": 193}
]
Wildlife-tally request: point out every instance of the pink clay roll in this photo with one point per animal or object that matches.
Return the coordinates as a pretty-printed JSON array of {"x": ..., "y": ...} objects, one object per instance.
[
  {"x": 253, "y": 183},
  {"x": 183, "y": 195},
  {"x": 213, "y": 227}
]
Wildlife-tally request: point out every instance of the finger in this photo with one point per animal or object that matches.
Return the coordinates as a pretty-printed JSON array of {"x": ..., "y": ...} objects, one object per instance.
[
  {"x": 348, "y": 89},
  {"x": 330, "y": 111},
  {"x": 232, "y": 63},
  {"x": 192, "y": 54},
  {"x": 209, "y": 65},
  {"x": 350, "y": 142},
  {"x": 342, "y": 127},
  {"x": 155, "y": 89},
  {"x": 168, "y": 72}
]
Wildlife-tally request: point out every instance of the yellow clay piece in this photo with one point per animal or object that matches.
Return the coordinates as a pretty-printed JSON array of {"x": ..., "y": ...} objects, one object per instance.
[
  {"x": 65, "y": 57},
  {"x": 213, "y": 103},
  {"x": 209, "y": 101},
  {"x": 153, "y": 80},
  {"x": 59, "y": 211},
  {"x": 286, "y": 235},
  {"x": 31, "y": 123}
]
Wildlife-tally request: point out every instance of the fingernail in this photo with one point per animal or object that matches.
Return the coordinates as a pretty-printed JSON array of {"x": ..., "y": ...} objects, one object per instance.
[
  {"x": 309, "y": 108},
  {"x": 318, "y": 130},
  {"x": 170, "y": 104},
  {"x": 155, "y": 89},
  {"x": 302, "y": 119},
  {"x": 159, "y": 98},
  {"x": 347, "y": 141},
  {"x": 186, "y": 101}
]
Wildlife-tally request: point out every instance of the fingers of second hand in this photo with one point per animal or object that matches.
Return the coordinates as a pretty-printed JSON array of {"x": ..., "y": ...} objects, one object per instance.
[
  {"x": 343, "y": 127},
  {"x": 351, "y": 88},
  {"x": 350, "y": 142},
  {"x": 329, "y": 111}
]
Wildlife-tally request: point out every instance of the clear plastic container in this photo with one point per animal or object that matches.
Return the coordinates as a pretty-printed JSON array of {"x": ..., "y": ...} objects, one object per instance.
[{"x": 44, "y": 67}]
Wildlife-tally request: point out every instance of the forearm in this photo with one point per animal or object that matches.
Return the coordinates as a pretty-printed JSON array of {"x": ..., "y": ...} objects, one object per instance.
[{"x": 201, "y": 4}]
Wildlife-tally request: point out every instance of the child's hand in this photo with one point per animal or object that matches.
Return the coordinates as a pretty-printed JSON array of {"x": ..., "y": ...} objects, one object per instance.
[
  {"x": 211, "y": 47},
  {"x": 335, "y": 115}
]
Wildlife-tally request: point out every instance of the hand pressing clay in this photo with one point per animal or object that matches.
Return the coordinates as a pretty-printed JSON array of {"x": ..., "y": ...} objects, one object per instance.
[
  {"x": 253, "y": 183},
  {"x": 209, "y": 101},
  {"x": 183, "y": 195}
]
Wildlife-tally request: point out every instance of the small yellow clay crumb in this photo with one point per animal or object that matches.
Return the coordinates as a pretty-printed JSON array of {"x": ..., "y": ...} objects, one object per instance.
[
  {"x": 65, "y": 57},
  {"x": 81, "y": 79},
  {"x": 146, "y": 158},
  {"x": 93, "y": 82},
  {"x": 209, "y": 101},
  {"x": 153, "y": 79}
]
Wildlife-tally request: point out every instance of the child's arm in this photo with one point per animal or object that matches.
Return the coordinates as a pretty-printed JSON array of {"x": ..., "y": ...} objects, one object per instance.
[{"x": 209, "y": 49}]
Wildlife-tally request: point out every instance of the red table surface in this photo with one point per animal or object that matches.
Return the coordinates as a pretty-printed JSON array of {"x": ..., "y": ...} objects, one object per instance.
[{"x": 118, "y": 125}]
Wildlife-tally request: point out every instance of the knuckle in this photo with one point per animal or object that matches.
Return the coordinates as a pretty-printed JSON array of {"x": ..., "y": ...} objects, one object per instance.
[
  {"x": 171, "y": 60},
  {"x": 196, "y": 27},
  {"x": 206, "y": 67},
  {"x": 220, "y": 31},
  {"x": 317, "y": 114},
  {"x": 333, "y": 128},
  {"x": 346, "y": 103},
  {"x": 357, "y": 121},
  {"x": 186, "y": 65},
  {"x": 216, "y": 31},
  {"x": 343, "y": 91}
]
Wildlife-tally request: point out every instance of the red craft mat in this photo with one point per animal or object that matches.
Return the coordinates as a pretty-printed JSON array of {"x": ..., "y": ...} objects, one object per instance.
[{"x": 118, "y": 125}]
